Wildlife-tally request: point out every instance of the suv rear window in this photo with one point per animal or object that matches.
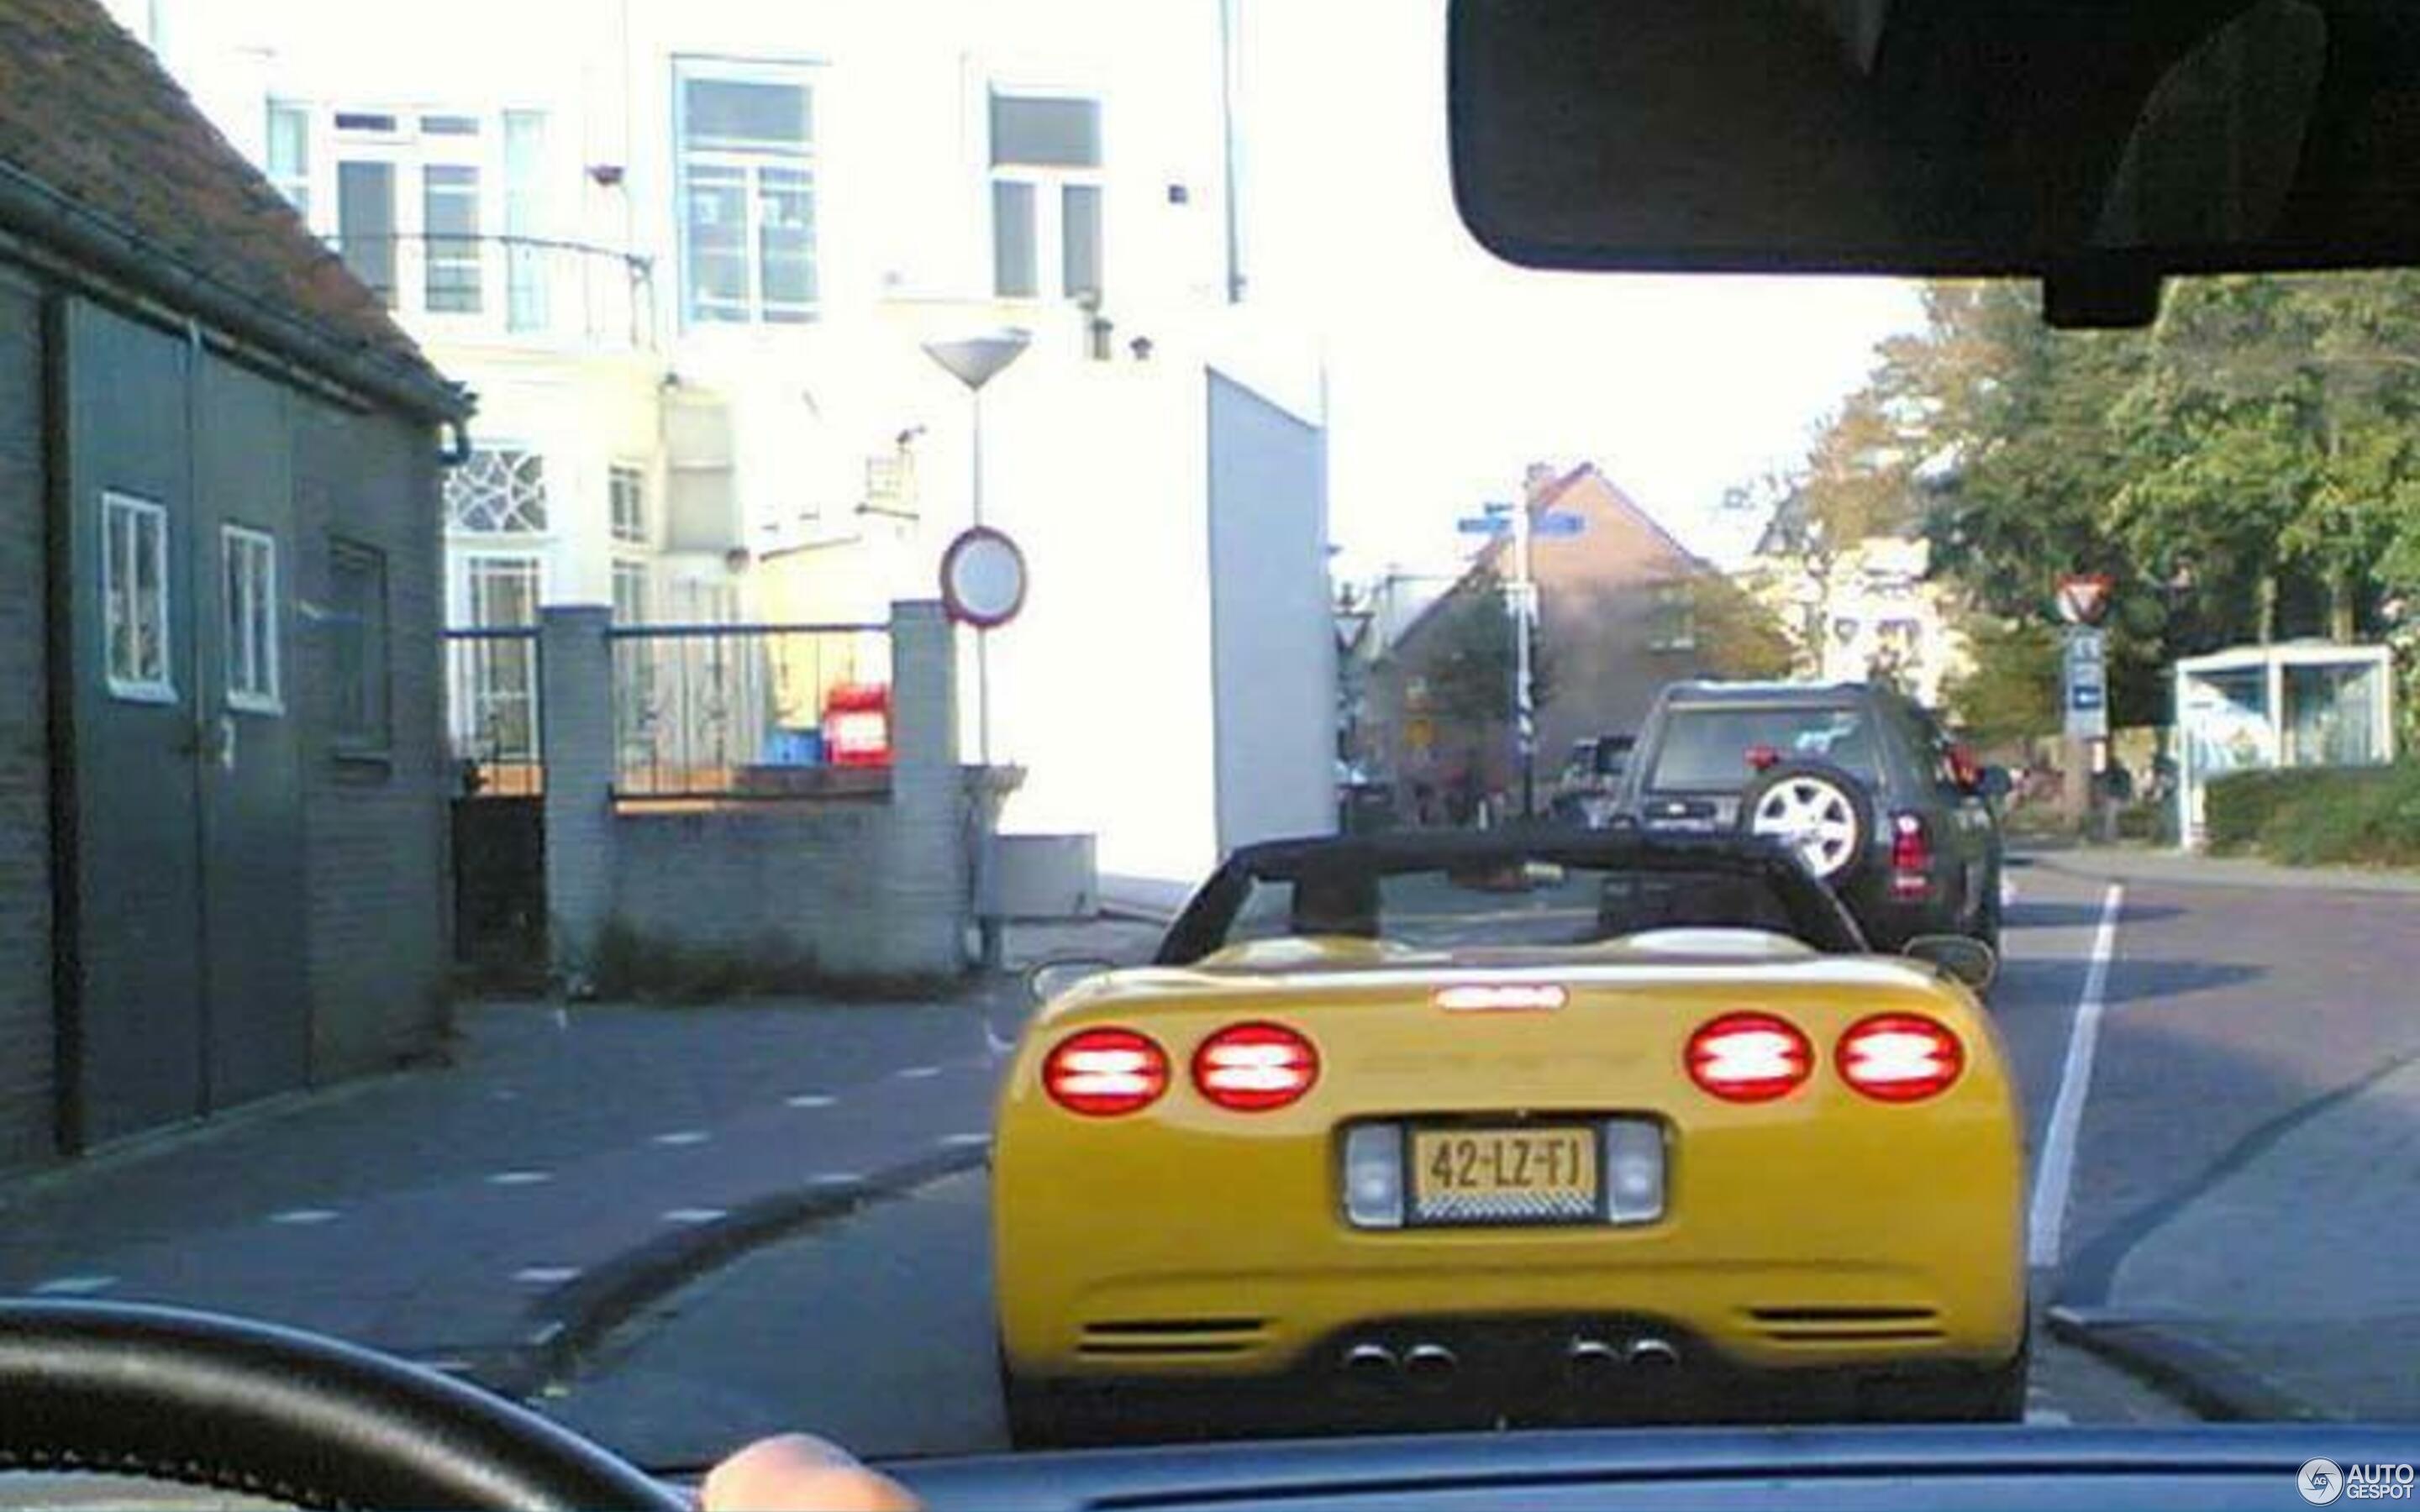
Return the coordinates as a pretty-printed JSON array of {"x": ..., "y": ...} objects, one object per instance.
[{"x": 1705, "y": 748}]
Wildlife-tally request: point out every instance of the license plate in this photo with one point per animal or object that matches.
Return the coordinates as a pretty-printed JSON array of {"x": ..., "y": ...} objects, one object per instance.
[{"x": 1525, "y": 1174}]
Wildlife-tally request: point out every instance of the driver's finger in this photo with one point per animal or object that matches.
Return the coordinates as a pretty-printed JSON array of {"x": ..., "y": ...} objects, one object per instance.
[{"x": 796, "y": 1472}]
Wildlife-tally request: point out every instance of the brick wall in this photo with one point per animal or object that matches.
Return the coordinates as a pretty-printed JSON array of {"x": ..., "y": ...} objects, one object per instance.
[
  {"x": 375, "y": 830},
  {"x": 27, "y": 1051}
]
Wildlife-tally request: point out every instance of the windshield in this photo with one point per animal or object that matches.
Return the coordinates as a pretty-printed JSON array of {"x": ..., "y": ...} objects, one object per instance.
[
  {"x": 1718, "y": 749},
  {"x": 590, "y": 588}
]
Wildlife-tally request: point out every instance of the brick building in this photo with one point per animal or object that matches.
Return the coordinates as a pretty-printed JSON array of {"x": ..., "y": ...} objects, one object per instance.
[
  {"x": 1622, "y": 609},
  {"x": 222, "y": 800}
]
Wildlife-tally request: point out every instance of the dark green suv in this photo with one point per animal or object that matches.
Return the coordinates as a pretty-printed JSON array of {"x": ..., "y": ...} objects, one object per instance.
[{"x": 1858, "y": 778}]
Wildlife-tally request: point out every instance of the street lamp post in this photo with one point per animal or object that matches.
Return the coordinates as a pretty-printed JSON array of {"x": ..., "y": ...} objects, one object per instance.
[{"x": 975, "y": 360}]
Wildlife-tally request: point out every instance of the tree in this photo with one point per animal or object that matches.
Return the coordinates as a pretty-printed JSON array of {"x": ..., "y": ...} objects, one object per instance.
[
  {"x": 1737, "y": 636},
  {"x": 2011, "y": 690}
]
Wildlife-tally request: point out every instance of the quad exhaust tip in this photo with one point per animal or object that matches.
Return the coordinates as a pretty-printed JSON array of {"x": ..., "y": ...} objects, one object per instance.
[
  {"x": 1371, "y": 1362},
  {"x": 1653, "y": 1353},
  {"x": 1429, "y": 1362},
  {"x": 1591, "y": 1357}
]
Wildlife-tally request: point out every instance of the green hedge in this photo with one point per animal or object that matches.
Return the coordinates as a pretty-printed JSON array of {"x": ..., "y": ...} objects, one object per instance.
[{"x": 2320, "y": 816}]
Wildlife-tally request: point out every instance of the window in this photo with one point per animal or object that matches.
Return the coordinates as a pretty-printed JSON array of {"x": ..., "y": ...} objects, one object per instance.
[
  {"x": 525, "y": 220},
  {"x": 366, "y": 123},
  {"x": 627, "y": 488},
  {"x": 504, "y": 591},
  {"x": 356, "y": 631},
  {"x": 365, "y": 228},
  {"x": 748, "y": 196},
  {"x": 1674, "y": 625},
  {"x": 134, "y": 598},
  {"x": 250, "y": 640},
  {"x": 449, "y": 126},
  {"x": 449, "y": 219},
  {"x": 289, "y": 155},
  {"x": 495, "y": 699},
  {"x": 499, "y": 491},
  {"x": 1046, "y": 196},
  {"x": 630, "y": 585}
]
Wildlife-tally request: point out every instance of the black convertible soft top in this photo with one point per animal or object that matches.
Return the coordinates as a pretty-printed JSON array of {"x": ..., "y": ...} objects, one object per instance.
[{"x": 1817, "y": 918}]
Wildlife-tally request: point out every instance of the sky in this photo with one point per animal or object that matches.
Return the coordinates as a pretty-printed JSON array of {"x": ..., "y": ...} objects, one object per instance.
[{"x": 1449, "y": 372}]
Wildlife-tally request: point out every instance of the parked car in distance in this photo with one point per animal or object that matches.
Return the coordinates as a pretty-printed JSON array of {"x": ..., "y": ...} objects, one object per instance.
[
  {"x": 1588, "y": 790},
  {"x": 1878, "y": 800}
]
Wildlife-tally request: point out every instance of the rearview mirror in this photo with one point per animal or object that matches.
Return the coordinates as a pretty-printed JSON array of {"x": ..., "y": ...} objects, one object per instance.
[
  {"x": 1051, "y": 980},
  {"x": 2097, "y": 145},
  {"x": 1970, "y": 961}
]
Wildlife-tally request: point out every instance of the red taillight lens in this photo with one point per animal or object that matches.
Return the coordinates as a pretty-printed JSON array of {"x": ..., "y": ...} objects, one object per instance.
[
  {"x": 1104, "y": 1073},
  {"x": 1761, "y": 757},
  {"x": 1899, "y": 1057},
  {"x": 1253, "y": 1068},
  {"x": 1749, "y": 1058},
  {"x": 1910, "y": 856}
]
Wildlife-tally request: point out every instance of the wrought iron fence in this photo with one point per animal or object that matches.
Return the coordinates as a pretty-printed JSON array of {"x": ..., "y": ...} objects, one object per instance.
[
  {"x": 510, "y": 286},
  {"x": 493, "y": 715},
  {"x": 750, "y": 711}
]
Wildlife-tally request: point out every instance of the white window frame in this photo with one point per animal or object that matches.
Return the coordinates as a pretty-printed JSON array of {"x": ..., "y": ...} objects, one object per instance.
[
  {"x": 470, "y": 566},
  {"x": 410, "y": 152},
  {"x": 298, "y": 188},
  {"x": 1050, "y": 202},
  {"x": 1674, "y": 611},
  {"x": 265, "y": 693},
  {"x": 626, "y": 568},
  {"x": 134, "y": 511},
  {"x": 454, "y": 530},
  {"x": 644, "y": 532},
  {"x": 751, "y": 164}
]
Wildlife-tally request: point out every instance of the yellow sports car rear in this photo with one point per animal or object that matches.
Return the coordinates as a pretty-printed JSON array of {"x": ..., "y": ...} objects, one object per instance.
[{"x": 1465, "y": 1165}]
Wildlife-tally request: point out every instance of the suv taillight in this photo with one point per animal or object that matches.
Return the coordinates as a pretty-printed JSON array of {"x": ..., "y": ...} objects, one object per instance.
[{"x": 1910, "y": 857}]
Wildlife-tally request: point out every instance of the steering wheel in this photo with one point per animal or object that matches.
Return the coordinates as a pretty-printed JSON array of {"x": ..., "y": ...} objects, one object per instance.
[{"x": 172, "y": 1394}]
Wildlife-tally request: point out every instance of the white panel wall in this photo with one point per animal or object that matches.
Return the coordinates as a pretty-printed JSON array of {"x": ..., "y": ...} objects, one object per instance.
[{"x": 1273, "y": 639}]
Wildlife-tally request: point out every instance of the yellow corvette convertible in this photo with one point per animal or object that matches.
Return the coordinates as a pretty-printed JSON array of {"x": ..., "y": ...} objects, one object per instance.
[{"x": 1419, "y": 1129}]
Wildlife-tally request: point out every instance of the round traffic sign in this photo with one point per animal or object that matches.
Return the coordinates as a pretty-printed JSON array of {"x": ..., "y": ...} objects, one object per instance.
[{"x": 982, "y": 579}]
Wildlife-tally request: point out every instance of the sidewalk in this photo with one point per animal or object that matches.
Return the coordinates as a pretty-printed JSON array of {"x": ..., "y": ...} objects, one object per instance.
[
  {"x": 2133, "y": 865},
  {"x": 494, "y": 1215},
  {"x": 2282, "y": 1286}
]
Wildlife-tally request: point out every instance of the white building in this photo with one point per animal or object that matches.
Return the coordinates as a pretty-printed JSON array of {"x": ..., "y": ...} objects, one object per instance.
[
  {"x": 687, "y": 253},
  {"x": 1869, "y": 609}
]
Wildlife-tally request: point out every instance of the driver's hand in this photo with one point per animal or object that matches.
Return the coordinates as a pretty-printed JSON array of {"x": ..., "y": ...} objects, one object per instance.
[{"x": 795, "y": 1472}]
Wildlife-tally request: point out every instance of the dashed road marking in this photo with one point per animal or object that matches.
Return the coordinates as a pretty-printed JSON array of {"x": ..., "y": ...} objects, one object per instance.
[
  {"x": 837, "y": 1179},
  {"x": 965, "y": 1141},
  {"x": 2055, "y": 1173},
  {"x": 546, "y": 1275},
  {"x": 683, "y": 1136},
  {"x": 811, "y": 1099},
  {"x": 2007, "y": 891},
  {"x": 695, "y": 1215},
  {"x": 519, "y": 1178},
  {"x": 304, "y": 1217},
  {"x": 2049, "y": 1417},
  {"x": 75, "y": 1286},
  {"x": 917, "y": 1073}
]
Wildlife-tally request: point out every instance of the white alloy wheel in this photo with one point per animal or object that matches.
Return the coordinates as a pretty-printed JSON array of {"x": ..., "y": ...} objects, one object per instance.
[{"x": 1815, "y": 818}]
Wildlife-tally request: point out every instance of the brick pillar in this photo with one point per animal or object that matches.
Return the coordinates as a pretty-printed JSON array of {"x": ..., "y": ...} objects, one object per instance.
[
  {"x": 928, "y": 898},
  {"x": 576, "y": 739}
]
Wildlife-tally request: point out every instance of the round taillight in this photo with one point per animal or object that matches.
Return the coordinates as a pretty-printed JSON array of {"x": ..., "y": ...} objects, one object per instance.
[
  {"x": 1104, "y": 1073},
  {"x": 1251, "y": 1068},
  {"x": 1899, "y": 1057},
  {"x": 1749, "y": 1058}
]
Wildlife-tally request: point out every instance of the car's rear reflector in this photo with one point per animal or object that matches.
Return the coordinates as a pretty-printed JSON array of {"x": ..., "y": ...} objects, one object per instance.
[
  {"x": 1106, "y": 1072},
  {"x": 1899, "y": 1057},
  {"x": 1251, "y": 1068},
  {"x": 1749, "y": 1058},
  {"x": 1500, "y": 997}
]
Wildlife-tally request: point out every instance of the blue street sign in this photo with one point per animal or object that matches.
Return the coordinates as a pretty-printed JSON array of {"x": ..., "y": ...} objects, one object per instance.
[
  {"x": 1478, "y": 525},
  {"x": 1559, "y": 525},
  {"x": 1494, "y": 508}
]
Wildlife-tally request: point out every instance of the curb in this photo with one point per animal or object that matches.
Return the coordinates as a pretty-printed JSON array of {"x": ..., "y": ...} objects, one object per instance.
[
  {"x": 570, "y": 1320},
  {"x": 2206, "y": 1378},
  {"x": 2383, "y": 883}
]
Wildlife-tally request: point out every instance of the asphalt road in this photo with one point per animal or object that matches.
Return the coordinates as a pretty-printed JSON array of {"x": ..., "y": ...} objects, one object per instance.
[{"x": 2225, "y": 1014}]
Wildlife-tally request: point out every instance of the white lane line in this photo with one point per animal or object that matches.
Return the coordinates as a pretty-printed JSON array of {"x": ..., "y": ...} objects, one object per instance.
[
  {"x": 301, "y": 1217},
  {"x": 695, "y": 1215},
  {"x": 2055, "y": 1171},
  {"x": 74, "y": 1286},
  {"x": 811, "y": 1099},
  {"x": 965, "y": 1141},
  {"x": 519, "y": 1178},
  {"x": 2048, "y": 1417},
  {"x": 837, "y": 1179},
  {"x": 2007, "y": 891},
  {"x": 683, "y": 1136},
  {"x": 917, "y": 1073},
  {"x": 546, "y": 1275}
]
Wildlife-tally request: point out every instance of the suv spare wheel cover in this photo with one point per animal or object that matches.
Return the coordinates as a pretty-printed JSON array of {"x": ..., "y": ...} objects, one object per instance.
[{"x": 1814, "y": 813}]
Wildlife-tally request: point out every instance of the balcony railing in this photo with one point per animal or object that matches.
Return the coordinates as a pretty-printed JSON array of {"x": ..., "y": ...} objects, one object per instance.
[
  {"x": 747, "y": 711},
  {"x": 531, "y": 288},
  {"x": 491, "y": 710}
]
